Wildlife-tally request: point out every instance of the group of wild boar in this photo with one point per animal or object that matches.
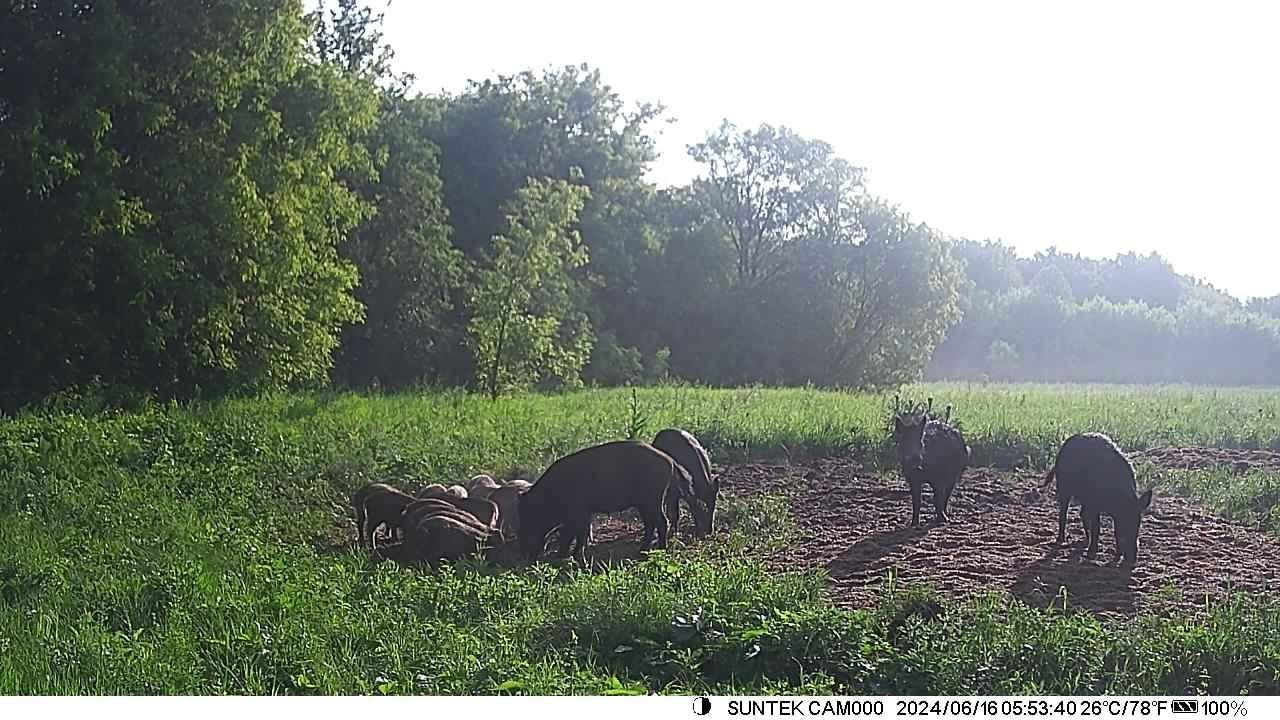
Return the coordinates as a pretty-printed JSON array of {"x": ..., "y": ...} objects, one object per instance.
[
  {"x": 446, "y": 523},
  {"x": 516, "y": 516},
  {"x": 1089, "y": 468}
]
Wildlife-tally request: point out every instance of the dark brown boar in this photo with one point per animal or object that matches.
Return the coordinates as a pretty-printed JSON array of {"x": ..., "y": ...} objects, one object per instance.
[
  {"x": 1092, "y": 469},
  {"x": 605, "y": 478},
  {"x": 481, "y": 486},
  {"x": 507, "y": 498},
  {"x": 685, "y": 449},
  {"x": 930, "y": 452}
]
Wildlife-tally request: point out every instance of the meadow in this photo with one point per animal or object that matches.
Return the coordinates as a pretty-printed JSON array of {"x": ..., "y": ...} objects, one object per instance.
[{"x": 206, "y": 549}]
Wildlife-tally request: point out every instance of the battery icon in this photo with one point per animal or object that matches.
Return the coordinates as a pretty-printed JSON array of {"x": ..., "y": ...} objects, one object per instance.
[{"x": 1186, "y": 706}]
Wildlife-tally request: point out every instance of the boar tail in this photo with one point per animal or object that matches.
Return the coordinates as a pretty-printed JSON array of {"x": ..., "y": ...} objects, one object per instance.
[
  {"x": 684, "y": 485},
  {"x": 1049, "y": 476}
]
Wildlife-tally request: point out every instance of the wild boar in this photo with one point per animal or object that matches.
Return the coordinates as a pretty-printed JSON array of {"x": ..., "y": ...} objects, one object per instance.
[
  {"x": 930, "y": 452},
  {"x": 685, "y": 449},
  {"x": 375, "y": 505},
  {"x": 605, "y": 478},
  {"x": 1091, "y": 468}
]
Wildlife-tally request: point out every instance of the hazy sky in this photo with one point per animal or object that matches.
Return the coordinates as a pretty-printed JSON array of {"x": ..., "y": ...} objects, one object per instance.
[{"x": 1098, "y": 128}]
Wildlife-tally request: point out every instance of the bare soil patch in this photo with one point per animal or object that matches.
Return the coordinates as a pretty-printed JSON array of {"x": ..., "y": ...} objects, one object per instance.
[{"x": 856, "y": 526}]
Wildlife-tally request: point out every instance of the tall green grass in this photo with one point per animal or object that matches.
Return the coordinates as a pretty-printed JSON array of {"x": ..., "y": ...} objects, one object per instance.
[
  {"x": 1252, "y": 497},
  {"x": 196, "y": 550},
  {"x": 453, "y": 431}
]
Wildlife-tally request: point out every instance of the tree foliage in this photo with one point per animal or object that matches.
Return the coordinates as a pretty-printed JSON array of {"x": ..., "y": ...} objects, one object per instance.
[
  {"x": 1269, "y": 306},
  {"x": 895, "y": 296},
  {"x": 563, "y": 123},
  {"x": 348, "y": 35},
  {"x": 773, "y": 191},
  {"x": 1126, "y": 319},
  {"x": 500, "y": 132},
  {"x": 824, "y": 285},
  {"x": 524, "y": 327},
  {"x": 209, "y": 198},
  {"x": 411, "y": 275},
  {"x": 410, "y": 271},
  {"x": 172, "y": 209}
]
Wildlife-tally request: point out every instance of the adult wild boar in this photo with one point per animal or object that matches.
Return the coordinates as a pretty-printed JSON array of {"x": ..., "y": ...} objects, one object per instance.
[
  {"x": 930, "y": 452},
  {"x": 685, "y": 449},
  {"x": 1092, "y": 469},
  {"x": 605, "y": 478}
]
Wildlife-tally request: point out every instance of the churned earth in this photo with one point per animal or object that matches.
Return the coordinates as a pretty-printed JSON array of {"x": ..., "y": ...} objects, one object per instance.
[{"x": 855, "y": 524}]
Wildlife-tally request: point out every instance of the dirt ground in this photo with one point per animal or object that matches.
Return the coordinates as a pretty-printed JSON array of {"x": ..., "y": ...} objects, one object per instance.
[{"x": 1001, "y": 537}]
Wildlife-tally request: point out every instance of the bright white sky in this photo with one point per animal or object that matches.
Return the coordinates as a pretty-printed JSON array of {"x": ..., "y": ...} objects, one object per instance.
[{"x": 1096, "y": 127}]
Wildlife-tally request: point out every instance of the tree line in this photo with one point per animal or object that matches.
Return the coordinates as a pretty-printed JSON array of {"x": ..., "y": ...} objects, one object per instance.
[
  {"x": 233, "y": 197},
  {"x": 1063, "y": 317}
]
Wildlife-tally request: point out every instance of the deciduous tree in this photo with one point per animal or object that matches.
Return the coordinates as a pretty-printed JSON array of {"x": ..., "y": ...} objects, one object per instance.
[{"x": 524, "y": 328}]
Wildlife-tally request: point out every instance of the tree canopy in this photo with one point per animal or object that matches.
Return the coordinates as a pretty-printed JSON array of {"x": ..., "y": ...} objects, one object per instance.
[
  {"x": 237, "y": 196},
  {"x": 173, "y": 208}
]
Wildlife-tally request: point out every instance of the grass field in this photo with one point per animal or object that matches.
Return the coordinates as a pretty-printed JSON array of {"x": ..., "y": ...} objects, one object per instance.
[{"x": 192, "y": 550}]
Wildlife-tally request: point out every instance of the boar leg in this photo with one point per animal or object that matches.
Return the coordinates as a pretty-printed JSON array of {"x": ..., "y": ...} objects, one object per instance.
[
  {"x": 940, "y": 499},
  {"x": 663, "y": 528},
  {"x": 1093, "y": 522},
  {"x": 672, "y": 501},
  {"x": 655, "y": 521},
  {"x": 646, "y": 540},
  {"x": 1064, "y": 503},
  {"x": 915, "y": 504},
  {"x": 574, "y": 536},
  {"x": 584, "y": 539},
  {"x": 362, "y": 522},
  {"x": 581, "y": 540},
  {"x": 563, "y": 541}
]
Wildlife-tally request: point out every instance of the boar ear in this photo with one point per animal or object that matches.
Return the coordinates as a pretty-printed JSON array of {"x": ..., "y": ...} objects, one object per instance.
[
  {"x": 897, "y": 422},
  {"x": 1144, "y": 501}
]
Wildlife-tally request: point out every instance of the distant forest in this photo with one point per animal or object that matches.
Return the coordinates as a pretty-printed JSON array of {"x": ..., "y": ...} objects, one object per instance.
[{"x": 214, "y": 198}]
